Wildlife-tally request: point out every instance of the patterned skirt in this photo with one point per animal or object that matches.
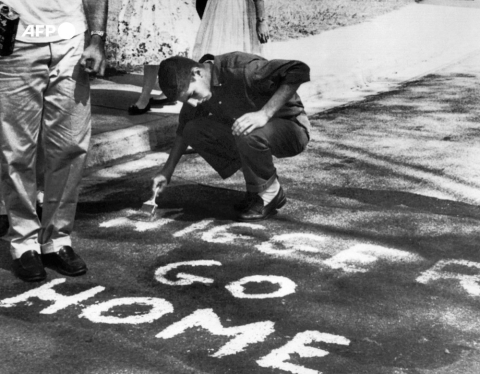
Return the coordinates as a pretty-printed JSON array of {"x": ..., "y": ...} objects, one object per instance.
[
  {"x": 227, "y": 26},
  {"x": 150, "y": 31}
]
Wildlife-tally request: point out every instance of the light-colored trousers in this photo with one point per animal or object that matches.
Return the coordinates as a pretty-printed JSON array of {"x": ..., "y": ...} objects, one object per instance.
[
  {"x": 43, "y": 86},
  {"x": 3, "y": 210},
  {"x": 40, "y": 181}
]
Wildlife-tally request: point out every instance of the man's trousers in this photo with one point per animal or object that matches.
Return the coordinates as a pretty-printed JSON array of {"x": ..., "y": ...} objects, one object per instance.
[
  {"x": 43, "y": 86},
  {"x": 253, "y": 153}
]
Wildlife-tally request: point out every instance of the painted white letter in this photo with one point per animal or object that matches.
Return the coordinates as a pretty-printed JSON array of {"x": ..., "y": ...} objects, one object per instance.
[
  {"x": 276, "y": 359},
  {"x": 293, "y": 242},
  {"x": 362, "y": 257},
  {"x": 194, "y": 227},
  {"x": 206, "y": 318},
  {"x": 159, "y": 307},
  {"x": 220, "y": 235},
  {"x": 186, "y": 279},
  {"x": 287, "y": 287},
  {"x": 46, "y": 293},
  {"x": 471, "y": 283}
]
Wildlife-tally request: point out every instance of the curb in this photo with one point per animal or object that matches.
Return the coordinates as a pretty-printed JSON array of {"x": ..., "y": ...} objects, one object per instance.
[{"x": 111, "y": 146}]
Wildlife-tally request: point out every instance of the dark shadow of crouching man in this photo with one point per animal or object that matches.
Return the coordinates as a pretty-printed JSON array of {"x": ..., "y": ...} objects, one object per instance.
[{"x": 239, "y": 111}]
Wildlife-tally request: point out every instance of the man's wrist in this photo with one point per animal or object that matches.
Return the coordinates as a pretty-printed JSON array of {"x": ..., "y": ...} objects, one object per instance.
[
  {"x": 267, "y": 113},
  {"x": 167, "y": 172}
]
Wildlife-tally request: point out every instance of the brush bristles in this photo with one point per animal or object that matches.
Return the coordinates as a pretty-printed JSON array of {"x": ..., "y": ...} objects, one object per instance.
[{"x": 148, "y": 208}]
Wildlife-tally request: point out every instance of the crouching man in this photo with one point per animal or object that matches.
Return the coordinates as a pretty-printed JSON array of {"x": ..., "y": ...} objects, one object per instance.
[{"x": 239, "y": 111}]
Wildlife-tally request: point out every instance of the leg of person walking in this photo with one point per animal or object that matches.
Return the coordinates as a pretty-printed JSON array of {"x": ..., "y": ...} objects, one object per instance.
[
  {"x": 145, "y": 101},
  {"x": 142, "y": 104}
]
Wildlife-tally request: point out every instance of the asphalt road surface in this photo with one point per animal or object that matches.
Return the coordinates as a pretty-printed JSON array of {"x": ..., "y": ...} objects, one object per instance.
[{"x": 372, "y": 267}]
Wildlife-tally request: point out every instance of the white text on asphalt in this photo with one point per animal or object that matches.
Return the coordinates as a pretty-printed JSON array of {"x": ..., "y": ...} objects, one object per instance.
[
  {"x": 278, "y": 357},
  {"x": 243, "y": 335},
  {"x": 46, "y": 293}
]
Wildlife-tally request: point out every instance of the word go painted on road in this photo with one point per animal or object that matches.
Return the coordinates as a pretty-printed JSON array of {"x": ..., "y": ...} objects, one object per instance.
[{"x": 286, "y": 286}]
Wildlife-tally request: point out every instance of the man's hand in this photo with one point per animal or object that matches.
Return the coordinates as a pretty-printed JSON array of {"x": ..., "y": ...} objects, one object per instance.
[
  {"x": 249, "y": 122},
  {"x": 159, "y": 181},
  {"x": 262, "y": 31},
  {"x": 93, "y": 58}
]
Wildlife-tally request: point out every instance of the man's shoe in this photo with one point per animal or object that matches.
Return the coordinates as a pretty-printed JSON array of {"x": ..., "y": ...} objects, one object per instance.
[
  {"x": 65, "y": 261},
  {"x": 29, "y": 267},
  {"x": 248, "y": 200},
  {"x": 4, "y": 225},
  {"x": 258, "y": 211}
]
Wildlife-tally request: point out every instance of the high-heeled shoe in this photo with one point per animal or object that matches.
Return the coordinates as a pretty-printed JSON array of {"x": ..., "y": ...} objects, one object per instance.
[{"x": 134, "y": 110}]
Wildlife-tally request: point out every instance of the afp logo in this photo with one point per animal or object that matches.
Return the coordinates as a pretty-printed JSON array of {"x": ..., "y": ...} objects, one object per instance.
[{"x": 65, "y": 30}]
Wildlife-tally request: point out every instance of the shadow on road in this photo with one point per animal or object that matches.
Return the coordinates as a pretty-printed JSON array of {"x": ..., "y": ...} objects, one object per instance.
[
  {"x": 388, "y": 199},
  {"x": 194, "y": 199}
]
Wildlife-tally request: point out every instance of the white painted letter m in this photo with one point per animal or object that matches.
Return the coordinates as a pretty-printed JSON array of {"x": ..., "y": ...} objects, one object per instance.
[{"x": 206, "y": 318}]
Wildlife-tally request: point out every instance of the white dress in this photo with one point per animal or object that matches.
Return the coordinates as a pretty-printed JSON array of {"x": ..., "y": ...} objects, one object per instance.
[
  {"x": 227, "y": 26},
  {"x": 150, "y": 31}
]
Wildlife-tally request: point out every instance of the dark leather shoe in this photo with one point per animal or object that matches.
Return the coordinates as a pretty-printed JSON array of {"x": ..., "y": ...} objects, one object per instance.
[
  {"x": 65, "y": 262},
  {"x": 29, "y": 267},
  {"x": 248, "y": 200},
  {"x": 134, "y": 110},
  {"x": 4, "y": 225},
  {"x": 258, "y": 211}
]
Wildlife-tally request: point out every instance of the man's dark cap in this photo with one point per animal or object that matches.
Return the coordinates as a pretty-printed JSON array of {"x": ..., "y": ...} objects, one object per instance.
[{"x": 174, "y": 75}]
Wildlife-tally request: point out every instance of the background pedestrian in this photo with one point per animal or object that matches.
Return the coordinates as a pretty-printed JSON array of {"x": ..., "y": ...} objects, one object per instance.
[{"x": 148, "y": 32}]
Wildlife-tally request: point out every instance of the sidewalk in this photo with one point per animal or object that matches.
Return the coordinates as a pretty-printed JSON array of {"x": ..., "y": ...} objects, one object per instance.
[{"x": 347, "y": 65}]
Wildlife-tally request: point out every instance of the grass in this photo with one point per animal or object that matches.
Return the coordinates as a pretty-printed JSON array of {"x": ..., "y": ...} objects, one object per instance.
[{"x": 291, "y": 19}]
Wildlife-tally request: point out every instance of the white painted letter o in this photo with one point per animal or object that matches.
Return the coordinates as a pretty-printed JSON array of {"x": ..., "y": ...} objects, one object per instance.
[
  {"x": 237, "y": 289},
  {"x": 160, "y": 307}
]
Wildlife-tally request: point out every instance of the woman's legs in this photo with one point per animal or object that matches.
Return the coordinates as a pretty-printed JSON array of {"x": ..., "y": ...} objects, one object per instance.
[{"x": 149, "y": 81}]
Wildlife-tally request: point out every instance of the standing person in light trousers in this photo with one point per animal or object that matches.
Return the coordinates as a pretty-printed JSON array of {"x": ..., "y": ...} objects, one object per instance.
[{"x": 44, "y": 84}]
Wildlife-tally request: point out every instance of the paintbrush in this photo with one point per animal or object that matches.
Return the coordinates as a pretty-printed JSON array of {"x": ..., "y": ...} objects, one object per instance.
[{"x": 150, "y": 206}]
